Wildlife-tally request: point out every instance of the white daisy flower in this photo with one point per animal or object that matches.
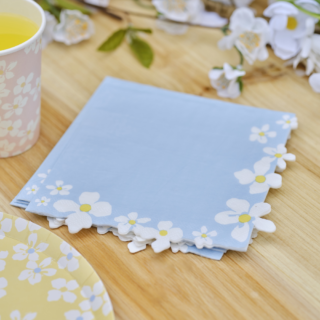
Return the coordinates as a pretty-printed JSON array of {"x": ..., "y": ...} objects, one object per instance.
[
  {"x": 3, "y": 255},
  {"x": 203, "y": 238},
  {"x": 259, "y": 180},
  {"x": 314, "y": 82},
  {"x": 180, "y": 246},
  {"x": 6, "y": 148},
  {"x": 93, "y": 295},
  {"x": 288, "y": 122},
  {"x": 59, "y": 188},
  {"x": 80, "y": 218},
  {"x": 107, "y": 306},
  {"x": 21, "y": 224},
  {"x": 261, "y": 135},
  {"x": 242, "y": 217},
  {"x": 11, "y": 128},
  {"x": 43, "y": 176},
  {"x": 29, "y": 251},
  {"x": 226, "y": 81},
  {"x": 5, "y": 226},
  {"x": 3, "y": 284},
  {"x": 127, "y": 223},
  {"x": 32, "y": 189},
  {"x": 249, "y": 34},
  {"x": 36, "y": 90},
  {"x": 280, "y": 154},
  {"x": 74, "y": 27},
  {"x": 34, "y": 272},
  {"x": 6, "y": 71},
  {"x": 29, "y": 134},
  {"x": 43, "y": 201},
  {"x": 15, "y": 315},
  {"x": 23, "y": 84},
  {"x": 289, "y": 26},
  {"x": 69, "y": 261},
  {"x": 16, "y": 107},
  {"x": 65, "y": 293},
  {"x": 3, "y": 91},
  {"x": 77, "y": 315},
  {"x": 47, "y": 35},
  {"x": 163, "y": 236}
]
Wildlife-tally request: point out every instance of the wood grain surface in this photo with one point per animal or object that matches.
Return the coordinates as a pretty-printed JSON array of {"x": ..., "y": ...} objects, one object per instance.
[{"x": 279, "y": 276}]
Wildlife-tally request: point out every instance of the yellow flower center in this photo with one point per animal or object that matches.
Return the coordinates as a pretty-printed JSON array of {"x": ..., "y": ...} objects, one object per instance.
[
  {"x": 244, "y": 218},
  {"x": 42, "y": 201},
  {"x": 85, "y": 26},
  {"x": 85, "y": 208},
  {"x": 203, "y": 235},
  {"x": 23, "y": 84},
  {"x": 163, "y": 233},
  {"x": 223, "y": 82},
  {"x": 260, "y": 179},
  {"x": 278, "y": 155},
  {"x": 1, "y": 72},
  {"x": 292, "y": 23},
  {"x": 33, "y": 189},
  {"x": 288, "y": 121},
  {"x": 261, "y": 134},
  {"x": 250, "y": 40},
  {"x": 10, "y": 128},
  {"x": 59, "y": 188},
  {"x": 28, "y": 132},
  {"x": 132, "y": 222},
  {"x": 16, "y": 106}
]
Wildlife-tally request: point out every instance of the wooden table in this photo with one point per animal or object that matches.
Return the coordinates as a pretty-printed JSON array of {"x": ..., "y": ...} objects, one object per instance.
[{"x": 279, "y": 276}]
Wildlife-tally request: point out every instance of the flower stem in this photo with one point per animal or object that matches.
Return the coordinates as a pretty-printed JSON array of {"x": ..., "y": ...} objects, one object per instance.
[{"x": 241, "y": 56}]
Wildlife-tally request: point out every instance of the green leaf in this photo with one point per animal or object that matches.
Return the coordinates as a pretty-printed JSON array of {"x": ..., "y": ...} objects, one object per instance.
[
  {"x": 142, "y": 51},
  {"x": 66, "y": 4},
  {"x": 140, "y": 30},
  {"x": 239, "y": 80},
  {"x": 47, "y": 6},
  {"x": 113, "y": 41}
]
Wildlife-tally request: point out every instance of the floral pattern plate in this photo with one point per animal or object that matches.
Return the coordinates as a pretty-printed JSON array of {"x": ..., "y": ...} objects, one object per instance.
[{"x": 43, "y": 277}]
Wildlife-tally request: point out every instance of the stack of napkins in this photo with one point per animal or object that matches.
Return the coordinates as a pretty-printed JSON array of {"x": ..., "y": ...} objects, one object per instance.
[{"x": 163, "y": 168}]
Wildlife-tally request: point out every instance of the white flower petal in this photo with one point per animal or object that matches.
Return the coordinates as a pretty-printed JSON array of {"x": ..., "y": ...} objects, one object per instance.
[
  {"x": 89, "y": 198},
  {"x": 78, "y": 221},
  {"x": 259, "y": 187},
  {"x": 226, "y": 217},
  {"x": 260, "y": 209},
  {"x": 245, "y": 176},
  {"x": 164, "y": 225},
  {"x": 238, "y": 205},
  {"x": 264, "y": 225},
  {"x": 241, "y": 234},
  {"x": 101, "y": 209},
  {"x": 274, "y": 180}
]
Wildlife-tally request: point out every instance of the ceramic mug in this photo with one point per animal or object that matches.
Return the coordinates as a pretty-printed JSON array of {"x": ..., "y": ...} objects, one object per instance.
[{"x": 20, "y": 84}]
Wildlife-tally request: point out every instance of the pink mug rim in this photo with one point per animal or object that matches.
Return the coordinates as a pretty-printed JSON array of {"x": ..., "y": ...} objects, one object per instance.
[{"x": 28, "y": 42}]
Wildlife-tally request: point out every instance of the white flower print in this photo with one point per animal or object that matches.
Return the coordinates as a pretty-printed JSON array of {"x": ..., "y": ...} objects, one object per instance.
[
  {"x": 3, "y": 284},
  {"x": 180, "y": 246},
  {"x": 6, "y": 71},
  {"x": 203, "y": 238},
  {"x": 43, "y": 201},
  {"x": 55, "y": 222},
  {"x": 11, "y": 128},
  {"x": 29, "y": 134},
  {"x": 138, "y": 243},
  {"x": 59, "y": 188},
  {"x": 32, "y": 189},
  {"x": 23, "y": 84},
  {"x": 3, "y": 255},
  {"x": 15, "y": 315},
  {"x": 127, "y": 223},
  {"x": 16, "y": 107},
  {"x": 288, "y": 122},
  {"x": 21, "y": 224},
  {"x": 6, "y": 147},
  {"x": 77, "y": 315},
  {"x": 280, "y": 154},
  {"x": 261, "y": 135},
  {"x": 35, "y": 46},
  {"x": 36, "y": 90},
  {"x": 58, "y": 284},
  {"x": 29, "y": 251},
  {"x": 5, "y": 225},
  {"x": 34, "y": 272},
  {"x": 163, "y": 236},
  {"x": 107, "y": 307},
  {"x": 3, "y": 91},
  {"x": 43, "y": 176},
  {"x": 69, "y": 261},
  {"x": 93, "y": 295},
  {"x": 260, "y": 182},
  {"x": 241, "y": 216},
  {"x": 80, "y": 218}
]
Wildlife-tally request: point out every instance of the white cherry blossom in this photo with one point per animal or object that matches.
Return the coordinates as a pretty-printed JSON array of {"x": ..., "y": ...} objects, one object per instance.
[
  {"x": 280, "y": 155},
  {"x": 23, "y": 84},
  {"x": 34, "y": 272},
  {"x": 262, "y": 135},
  {"x": 128, "y": 223},
  {"x": 93, "y": 296},
  {"x": 62, "y": 289},
  {"x": 203, "y": 238},
  {"x": 288, "y": 122},
  {"x": 59, "y": 188},
  {"x": 21, "y": 224},
  {"x": 6, "y": 71},
  {"x": 69, "y": 260},
  {"x": 29, "y": 134},
  {"x": 5, "y": 225},
  {"x": 42, "y": 202},
  {"x": 11, "y": 128},
  {"x": 6, "y": 147},
  {"x": 3, "y": 91},
  {"x": 43, "y": 176},
  {"x": 16, "y": 107},
  {"x": 15, "y": 315},
  {"x": 77, "y": 315},
  {"x": 80, "y": 217},
  {"x": 3, "y": 255},
  {"x": 259, "y": 181},
  {"x": 30, "y": 251},
  {"x": 242, "y": 217},
  {"x": 32, "y": 190},
  {"x": 3, "y": 284},
  {"x": 35, "y": 92}
]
